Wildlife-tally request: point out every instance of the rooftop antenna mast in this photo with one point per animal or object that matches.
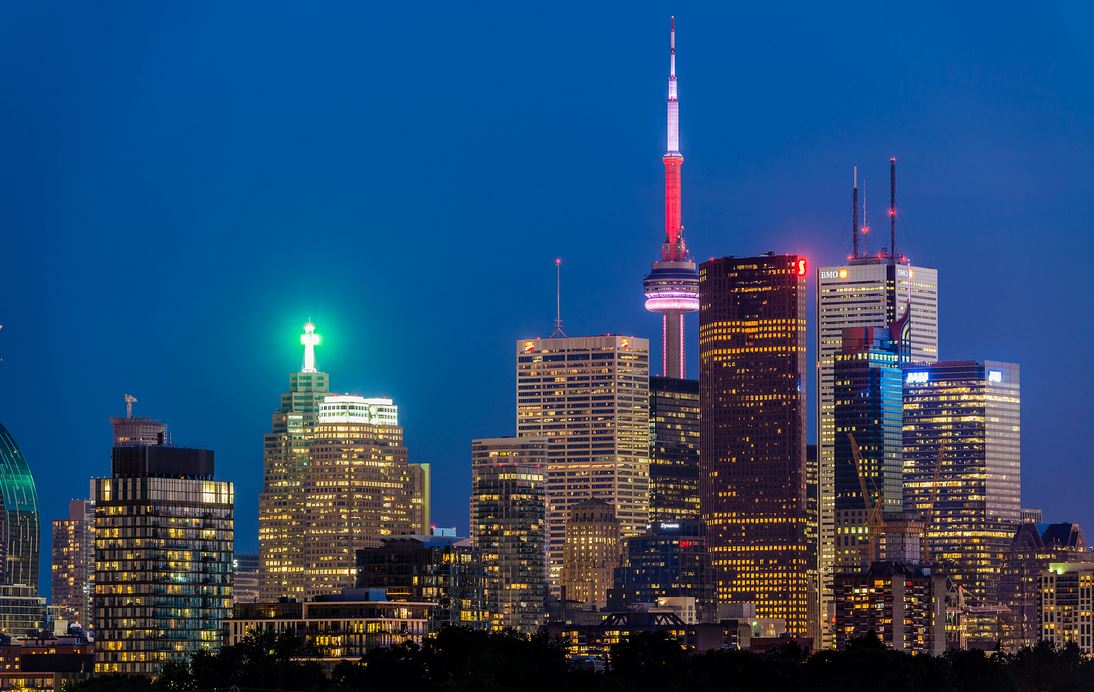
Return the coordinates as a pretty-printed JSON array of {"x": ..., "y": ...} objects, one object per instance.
[
  {"x": 865, "y": 222},
  {"x": 129, "y": 401},
  {"x": 558, "y": 299},
  {"x": 892, "y": 209},
  {"x": 854, "y": 212}
]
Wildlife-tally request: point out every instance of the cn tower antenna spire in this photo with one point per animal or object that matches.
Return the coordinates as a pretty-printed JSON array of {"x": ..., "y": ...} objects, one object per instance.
[{"x": 674, "y": 104}]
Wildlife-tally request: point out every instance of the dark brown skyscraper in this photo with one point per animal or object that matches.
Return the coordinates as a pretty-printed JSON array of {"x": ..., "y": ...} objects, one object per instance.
[{"x": 752, "y": 443}]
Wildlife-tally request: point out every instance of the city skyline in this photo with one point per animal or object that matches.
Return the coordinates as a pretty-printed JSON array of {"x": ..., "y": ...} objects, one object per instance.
[{"x": 91, "y": 338}]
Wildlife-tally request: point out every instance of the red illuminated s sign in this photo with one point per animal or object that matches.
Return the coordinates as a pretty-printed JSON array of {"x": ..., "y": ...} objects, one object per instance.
[{"x": 800, "y": 267}]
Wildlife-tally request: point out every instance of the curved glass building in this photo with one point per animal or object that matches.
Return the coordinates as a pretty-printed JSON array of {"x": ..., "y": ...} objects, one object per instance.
[{"x": 19, "y": 523}]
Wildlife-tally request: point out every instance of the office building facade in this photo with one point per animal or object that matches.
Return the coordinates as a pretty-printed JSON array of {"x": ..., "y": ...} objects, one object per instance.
[
  {"x": 421, "y": 496},
  {"x": 74, "y": 562},
  {"x": 966, "y": 415},
  {"x": 444, "y": 570},
  {"x": 164, "y": 534},
  {"x": 343, "y": 626},
  {"x": 359, "y": 491},
  {"x": 903, "y": 604},
  {"x": 674, "y": 449},
  {"x": 1034, "y": 547},
  {"x": 508, "y": 527},
  {"x": 868, "y": 420},
  {"x": 752, "y": 446},
  {"x": 589, "y": 396},
  {"x": 246, "y": 583},
  {"x": 593, "y": 550},
  {"x": 1067, "y": 605},
  {"x": 669, "y": 561}
]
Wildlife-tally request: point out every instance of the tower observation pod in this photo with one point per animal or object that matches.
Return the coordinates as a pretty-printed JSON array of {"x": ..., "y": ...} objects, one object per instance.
[{"x": 672, "y": 286}]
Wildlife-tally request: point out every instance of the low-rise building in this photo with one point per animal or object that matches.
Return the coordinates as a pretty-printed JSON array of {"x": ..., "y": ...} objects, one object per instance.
[
  {"x": 45, "y": 664},
  {"x": 591, "y": 642},
  {"x": 342, "y": 626}
]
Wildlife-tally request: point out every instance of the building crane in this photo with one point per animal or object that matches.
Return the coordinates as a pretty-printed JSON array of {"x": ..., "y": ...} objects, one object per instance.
[
  {"x": 873, "y": 509},
  {"x": 129, "y": 401}
]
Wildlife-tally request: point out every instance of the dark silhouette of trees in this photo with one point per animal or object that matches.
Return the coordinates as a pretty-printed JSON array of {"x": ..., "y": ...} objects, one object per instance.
[{"x": 461, "y": 660}]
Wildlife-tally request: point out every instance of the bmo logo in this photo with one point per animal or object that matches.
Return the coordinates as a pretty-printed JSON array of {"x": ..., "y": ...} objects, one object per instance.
[{"x": 830, "y": 274}]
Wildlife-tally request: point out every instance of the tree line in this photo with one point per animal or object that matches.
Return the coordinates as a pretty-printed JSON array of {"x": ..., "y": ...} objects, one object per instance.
[{"x": 462, "y": 660}]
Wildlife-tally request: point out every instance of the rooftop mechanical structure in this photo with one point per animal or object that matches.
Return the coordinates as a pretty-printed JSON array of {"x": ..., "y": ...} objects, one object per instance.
[{"x": 672, "y": 286}]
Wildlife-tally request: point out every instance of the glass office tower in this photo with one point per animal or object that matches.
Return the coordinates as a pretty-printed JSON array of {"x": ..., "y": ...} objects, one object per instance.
[
  {"x": 674, "y": 449},
  {"x": 971, "y": 410}
]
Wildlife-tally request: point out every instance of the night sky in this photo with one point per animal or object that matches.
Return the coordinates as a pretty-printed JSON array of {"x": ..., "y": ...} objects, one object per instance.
[{"x": 182, "y": 185}]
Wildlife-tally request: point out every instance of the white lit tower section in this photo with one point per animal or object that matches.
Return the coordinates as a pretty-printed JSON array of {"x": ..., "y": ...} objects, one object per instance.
[{"x": 672, "y": 286}]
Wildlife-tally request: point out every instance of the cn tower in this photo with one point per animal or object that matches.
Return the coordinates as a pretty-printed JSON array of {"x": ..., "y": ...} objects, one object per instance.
[{"x": 672, "y": 286}]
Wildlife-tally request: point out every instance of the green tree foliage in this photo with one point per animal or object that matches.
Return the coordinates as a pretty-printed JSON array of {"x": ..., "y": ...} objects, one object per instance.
[{"x": 461, "y": 660}]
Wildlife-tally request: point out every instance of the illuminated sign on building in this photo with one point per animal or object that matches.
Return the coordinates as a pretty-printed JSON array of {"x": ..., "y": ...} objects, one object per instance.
[
  {"x": 917, "y": 377},
  {"x": 995, "y": 375},
  {"x": 800, "y": 264}
]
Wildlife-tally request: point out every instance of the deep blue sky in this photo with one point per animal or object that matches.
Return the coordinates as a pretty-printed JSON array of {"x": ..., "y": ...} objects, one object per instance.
[{"x": 183, "y": 184}]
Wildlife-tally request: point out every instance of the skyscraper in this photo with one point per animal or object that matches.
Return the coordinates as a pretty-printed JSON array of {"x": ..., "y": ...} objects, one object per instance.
[
  {"x": 752, "y": 447},
  {"x": 873, "y": 289},
  {"x": 20, "y": 606},
  {"x": 282, "y": 506},
  {"x": 867, "y": 413},
  {"x": 74, "y": 561},
  {"x": 358, "y": 488},
  {"x": 589, "y": 396},
  {"x": 967, "y": 415},
  {"x": 508, "y": 527},
  {"x": 592, "y": 552},
  {"x": 672, "y": 286},
  {"x": 674, "y": 449},
  {"x": 164, "y": 531}
]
